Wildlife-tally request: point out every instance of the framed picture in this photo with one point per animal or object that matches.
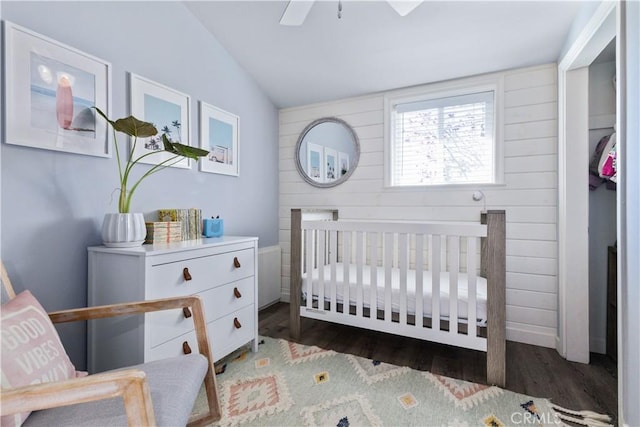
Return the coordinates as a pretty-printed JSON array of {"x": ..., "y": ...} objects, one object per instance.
[
  {"x": 219, "y": 134},
  {"x": 331, "y": 164},
  {"x": 50, "y": 91},
  {"x": 169, "y": 110},
  {"x": 315, "y": 162},
  {"x": 343, "y": 164}
]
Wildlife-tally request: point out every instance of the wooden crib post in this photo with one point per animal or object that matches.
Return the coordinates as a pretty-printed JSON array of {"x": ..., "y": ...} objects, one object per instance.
[
  {"x": 295, "y": 293},
  {"x": 493, "y": 265}
]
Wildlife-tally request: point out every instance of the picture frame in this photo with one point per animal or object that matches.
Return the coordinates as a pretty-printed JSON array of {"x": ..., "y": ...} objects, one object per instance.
[
  {"x": 50, "y": 89},
  {"x": 220, "y": 135},
  {"x": 330, "y": 164},
  {"x": 315, "y": 162},
  {"x": 343, "y": 163},
  {"x": 169, "y": 110}
]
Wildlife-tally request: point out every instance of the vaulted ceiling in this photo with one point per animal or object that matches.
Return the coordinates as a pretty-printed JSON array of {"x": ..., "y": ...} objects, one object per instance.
[{"x": 371, "y": 48}]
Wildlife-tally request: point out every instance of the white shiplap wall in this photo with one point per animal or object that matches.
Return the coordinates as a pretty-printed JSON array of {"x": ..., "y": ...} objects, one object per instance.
[{"x": 529, "y": 196}]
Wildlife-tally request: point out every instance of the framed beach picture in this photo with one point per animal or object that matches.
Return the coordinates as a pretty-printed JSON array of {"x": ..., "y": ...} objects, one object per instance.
[
  {"x": 50, "y": 91},
  {"x": 315, "y": 162},
  {"x": 343, "y": 164},
  {"x": 219, "y": 134},
  {"x": 169, "y": 111},
  {"x": 331, "y": 164}
]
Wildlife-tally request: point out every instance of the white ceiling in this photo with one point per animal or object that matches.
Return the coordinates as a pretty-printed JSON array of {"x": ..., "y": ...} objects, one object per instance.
[{"x": 372, "y": 48}]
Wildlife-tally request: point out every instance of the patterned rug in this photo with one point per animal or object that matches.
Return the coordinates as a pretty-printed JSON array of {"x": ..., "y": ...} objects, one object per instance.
[{"x": 289, "y": 384}]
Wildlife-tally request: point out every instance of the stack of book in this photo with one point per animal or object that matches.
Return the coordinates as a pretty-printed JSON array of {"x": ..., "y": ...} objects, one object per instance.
[
  {"x": 163, "y": 231},
  {"x": 191, "y": 220}
]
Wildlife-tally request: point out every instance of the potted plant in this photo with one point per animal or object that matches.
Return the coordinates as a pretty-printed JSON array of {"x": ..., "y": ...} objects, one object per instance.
[{"x": 126, "y": 229}]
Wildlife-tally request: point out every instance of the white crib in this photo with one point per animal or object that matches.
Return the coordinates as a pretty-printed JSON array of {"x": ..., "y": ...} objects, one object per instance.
[{"x": 439, "y": 282}]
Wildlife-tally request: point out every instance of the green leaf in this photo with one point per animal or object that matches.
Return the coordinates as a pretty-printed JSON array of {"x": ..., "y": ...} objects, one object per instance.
[
  {"x": 134, "y": 127},
  {"x": 131, "y": 126},
  {"x": 182, "y": 150},
  {"x": 168, "y": 145}
]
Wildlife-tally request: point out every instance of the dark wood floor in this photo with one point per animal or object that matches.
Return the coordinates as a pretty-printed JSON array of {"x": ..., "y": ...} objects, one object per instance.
[{"x": 531, "y": 370}]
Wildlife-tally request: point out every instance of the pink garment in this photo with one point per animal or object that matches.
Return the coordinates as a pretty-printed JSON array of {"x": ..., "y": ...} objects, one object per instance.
[
  {"x": 611, "y": 146},
  {"x": 607, "y": 168}
]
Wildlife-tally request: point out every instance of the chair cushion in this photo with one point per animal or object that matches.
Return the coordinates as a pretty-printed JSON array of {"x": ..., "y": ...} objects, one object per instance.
[
  {"x": 31, "y": 349},
  {"x": 174, "y": 384}
]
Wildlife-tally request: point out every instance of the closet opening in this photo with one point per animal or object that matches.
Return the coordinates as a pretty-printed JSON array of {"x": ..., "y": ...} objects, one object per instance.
[{"x": 602, "y": 203}]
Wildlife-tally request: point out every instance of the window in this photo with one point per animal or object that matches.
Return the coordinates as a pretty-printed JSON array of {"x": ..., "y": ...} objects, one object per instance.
[{"x": 443, "y": 138}]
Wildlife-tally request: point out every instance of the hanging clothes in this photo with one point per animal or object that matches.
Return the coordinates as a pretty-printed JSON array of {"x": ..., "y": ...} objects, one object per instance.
[
  {"x": 608, "y": 161},
  {"x": 602, "y": 167},
  {"x": 595, "y": 180}
]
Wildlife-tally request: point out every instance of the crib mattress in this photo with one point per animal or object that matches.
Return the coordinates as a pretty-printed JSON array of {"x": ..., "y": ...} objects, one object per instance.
[{"x": 481, "y": 290}]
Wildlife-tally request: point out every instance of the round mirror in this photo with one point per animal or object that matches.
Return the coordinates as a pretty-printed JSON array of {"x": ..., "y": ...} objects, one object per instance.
[{"x": 327, "y": 152}]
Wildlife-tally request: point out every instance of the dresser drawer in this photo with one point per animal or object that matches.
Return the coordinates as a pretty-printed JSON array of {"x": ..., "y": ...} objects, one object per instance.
[
  {"x": 165, "y": 325},
  {"x": 174, "y": 348},
  {"x": 228, "y": 298},
  {"x": 195, "y": 275},
  {"x": 224, "y": 334}
]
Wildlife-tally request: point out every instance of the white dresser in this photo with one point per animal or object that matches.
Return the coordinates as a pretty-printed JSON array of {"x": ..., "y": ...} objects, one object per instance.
[{"x": 221, "y": 270}]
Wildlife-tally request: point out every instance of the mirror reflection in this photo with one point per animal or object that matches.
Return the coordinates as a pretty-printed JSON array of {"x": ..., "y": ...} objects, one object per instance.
[{"x": 327, "y": 152}]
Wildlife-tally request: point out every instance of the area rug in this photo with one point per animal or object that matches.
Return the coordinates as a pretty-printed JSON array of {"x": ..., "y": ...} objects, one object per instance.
[{"x": 289, "y": 384}]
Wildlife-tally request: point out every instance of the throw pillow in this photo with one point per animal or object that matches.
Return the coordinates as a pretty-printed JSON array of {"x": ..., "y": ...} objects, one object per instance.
[{"x": 32, "y": 352}]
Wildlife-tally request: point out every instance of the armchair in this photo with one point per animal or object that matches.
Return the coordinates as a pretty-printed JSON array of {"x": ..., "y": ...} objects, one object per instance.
[{"x": 155, "y": 393}]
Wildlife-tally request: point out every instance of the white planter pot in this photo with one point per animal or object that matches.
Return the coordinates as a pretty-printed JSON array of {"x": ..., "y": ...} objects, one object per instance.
[{"x": 123, "y": 230}]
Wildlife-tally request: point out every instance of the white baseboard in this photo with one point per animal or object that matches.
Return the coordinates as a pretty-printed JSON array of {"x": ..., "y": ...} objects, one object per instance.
[
  {"x": 531, "y": 337},
  {"x": 285, "y": 296}
]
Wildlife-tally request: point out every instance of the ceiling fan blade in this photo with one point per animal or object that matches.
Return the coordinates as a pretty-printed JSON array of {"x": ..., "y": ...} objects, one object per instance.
[
  {"x": 296, "y": 12},
  {"x": 404, "y": 7}
]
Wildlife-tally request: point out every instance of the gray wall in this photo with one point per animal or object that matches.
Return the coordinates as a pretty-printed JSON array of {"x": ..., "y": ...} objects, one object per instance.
[{"x": 53, "y": 203}]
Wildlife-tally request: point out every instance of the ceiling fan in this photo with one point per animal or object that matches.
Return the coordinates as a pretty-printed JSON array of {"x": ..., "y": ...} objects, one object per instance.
[{"x": 297, "y": 10}]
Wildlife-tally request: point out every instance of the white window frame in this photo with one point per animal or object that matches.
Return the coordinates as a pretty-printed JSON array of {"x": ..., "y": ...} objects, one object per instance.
[{"x": 442, "y": 90}]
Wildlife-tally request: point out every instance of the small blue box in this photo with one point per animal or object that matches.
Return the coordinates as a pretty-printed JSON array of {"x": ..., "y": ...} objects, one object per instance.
[{"x": 212, "y": 227}]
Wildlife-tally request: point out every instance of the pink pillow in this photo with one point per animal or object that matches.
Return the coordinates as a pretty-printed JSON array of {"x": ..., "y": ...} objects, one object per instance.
[{"x": 31, "y": 349}]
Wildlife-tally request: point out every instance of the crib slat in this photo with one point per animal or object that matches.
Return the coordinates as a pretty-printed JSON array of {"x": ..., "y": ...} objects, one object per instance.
[
  {"x": 471, "y": 288},
  {"x": 322, "y": 251},
  {"x": 309, "y": 266},
  {"x": 333, "y": 257},
  {"x": 435, "y": 281},
  {"x": 454, "y": 267},
  {"x": 419, "y": 280},
  {"x": 403, "y": 265},
  {"x": 388, "y": 264},
  {"x": 346, "y": 261},
  {"x": 359, "y": 278},
  {"x": 373, "y": 270}
]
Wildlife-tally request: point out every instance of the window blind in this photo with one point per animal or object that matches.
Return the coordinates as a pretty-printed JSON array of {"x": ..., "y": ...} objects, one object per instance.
[{"x": 447, "y": 140}]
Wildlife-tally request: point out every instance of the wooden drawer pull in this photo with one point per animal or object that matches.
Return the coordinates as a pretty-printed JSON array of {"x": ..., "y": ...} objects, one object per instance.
[
  {"x": 185, "y": 348},
  {"x": 236, "y": 263},
  {"x": 186, "y": 274},
  {"x": 237, "y": 323},
  {"x": 186, "y": 312},
  {"x": 237, "y": 293}
]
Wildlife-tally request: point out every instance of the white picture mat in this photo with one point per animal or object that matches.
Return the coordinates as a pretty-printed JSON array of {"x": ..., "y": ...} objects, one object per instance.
[
  {"x": 207, "y": 163},
  {"x": 19, "y": 44},
  {"x": 343, "y": 160},
  {"x": 141, "y": 86},
  {"x": 330, "y": 164},
  {"x": 313, "y": 150}
]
